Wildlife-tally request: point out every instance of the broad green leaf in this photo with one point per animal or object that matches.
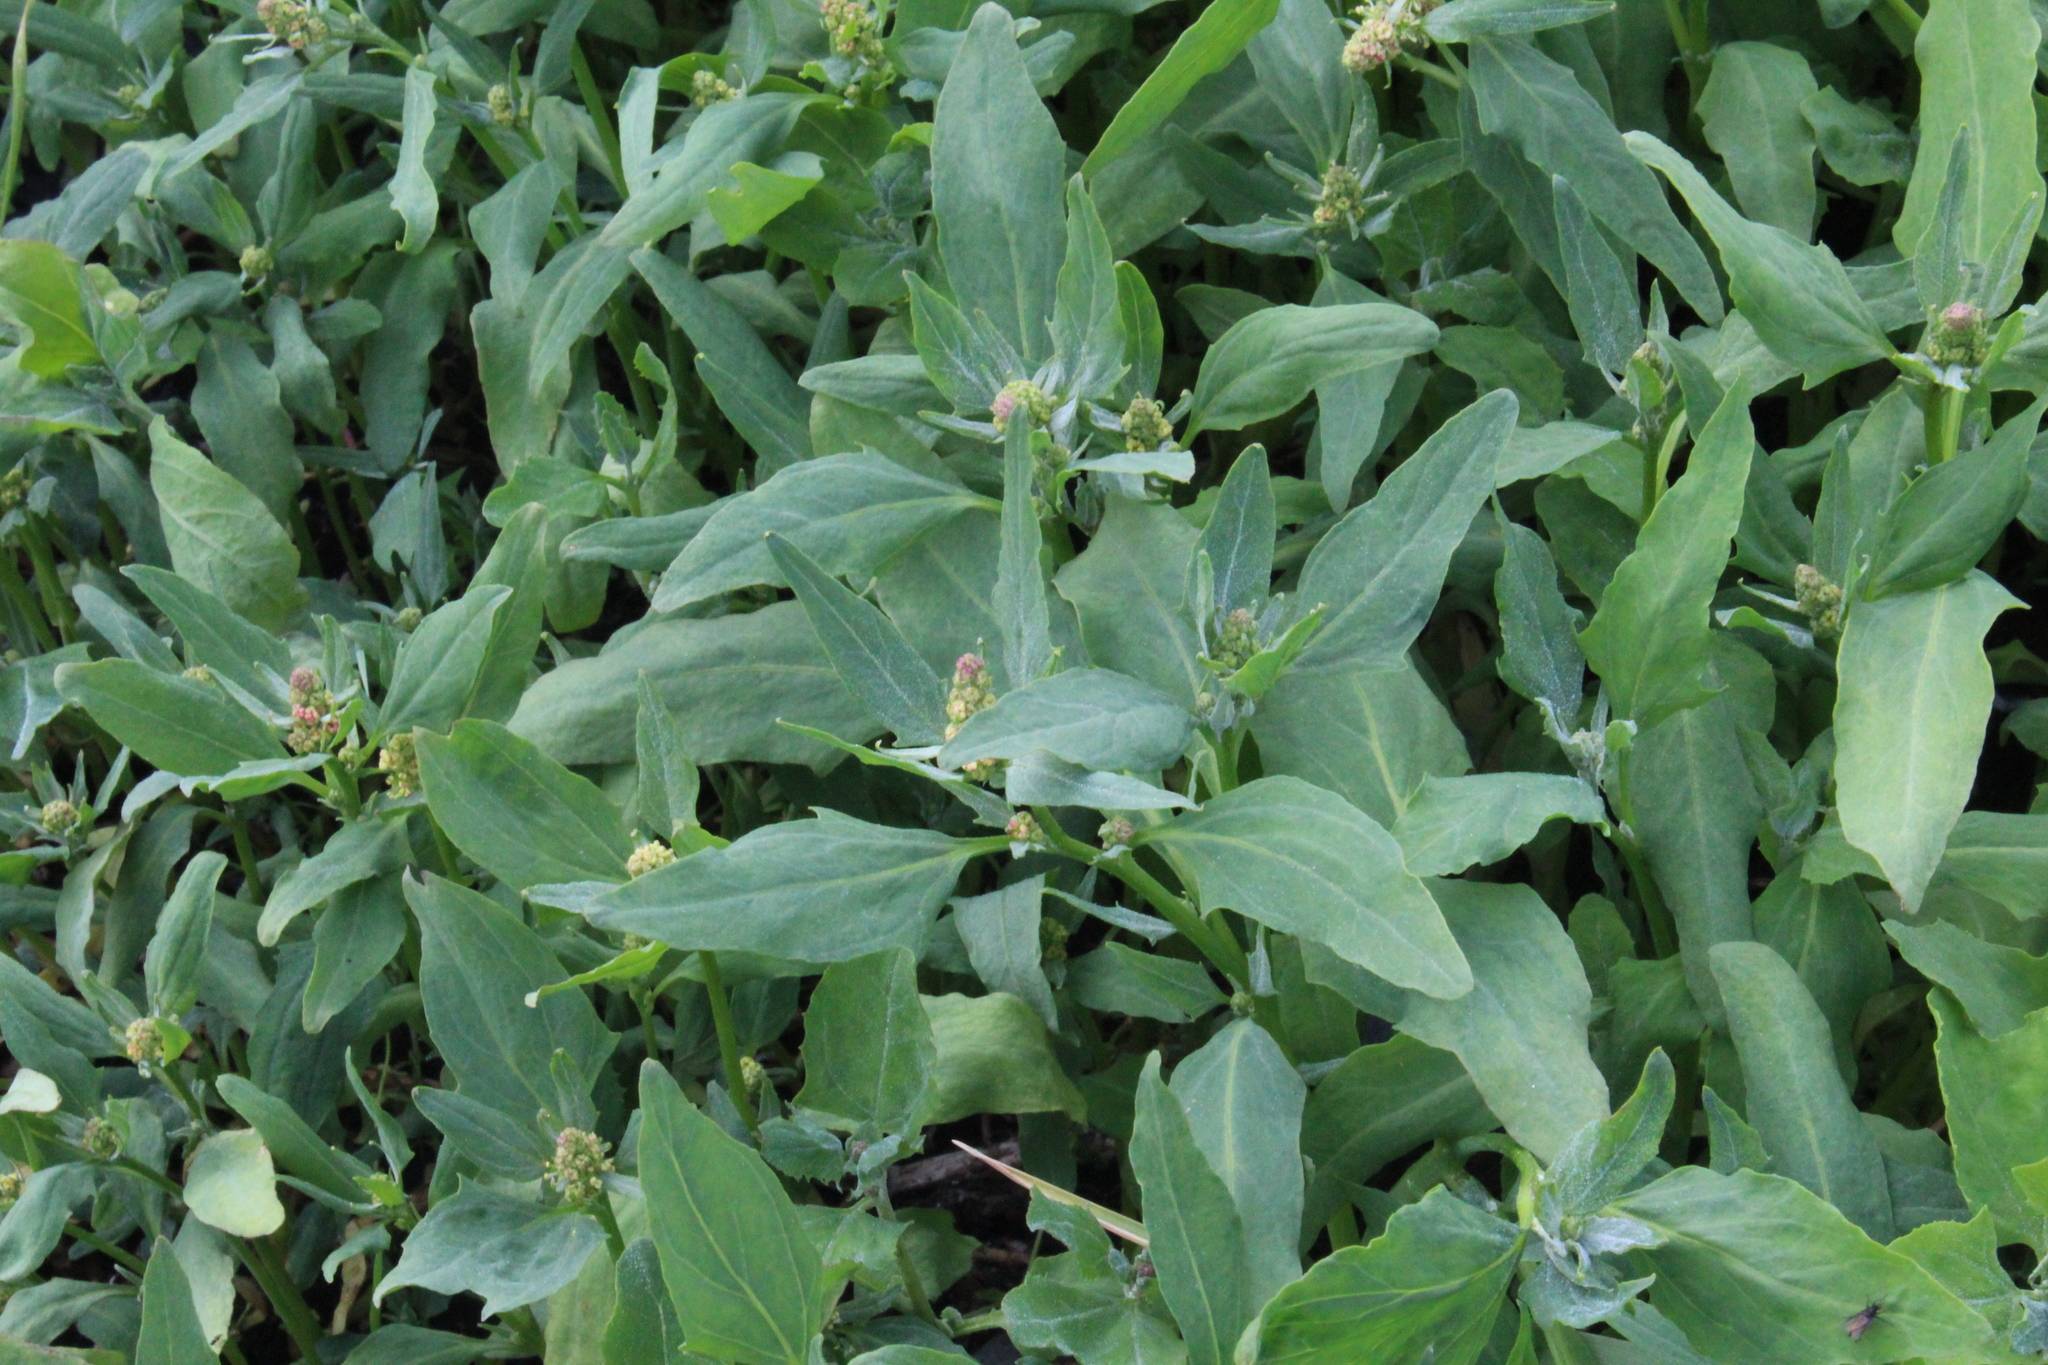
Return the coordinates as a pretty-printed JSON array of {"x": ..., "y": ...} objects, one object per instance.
[
  {"x": 1650, "y": 640},
  {"x": 850, "y": 513},
  {"x": 171, "y": 968},
  {"x": 1128, "y": 589},
  {"x": 1197, "y": 1238},
  {"x": 763, "y": 193},
  {"x": 998, "y": 172},
  {"x": 643, "y": 1329},
  {"x": 1945, "y": 520},
  {"x": 1088, "y": 716},
  {"x": 179, "y": 724},
  {"x": 1382, "y": 567},
  {"x": 1997, "y": 986},
  {"x": 1750, "y": 112},
  {"x": 1520, "y": 1030},
  {"x": 231, "y": 646},
  {"x": 478, "y": 963},
  {"x": 1910, "y": 708},
  {"x": 358, "y": 851},
  {"x": 1600, "y": 290},
  {"x": 1238, "y": 537},
  {"x": 745, "y": 1280},
  {"x": 439, "y": 672},
  {"x": 1019, "y": 599},
  {"x": 1087, "y": 327},
  {"x": 1430, "y": 1286},
  {"x": 1602, "y": 1160},
  {"x": 295, "y": 1148},
  {"x": 1244, "y": 1103},
  {"x": 506, "y": 1248},
  {"x": 170, "y": 1332},
  {"x": 993, "y": 1057},
  {"x": 220, "y": 534},
  {"x": 1369, "y": 734},
  {"x": 230, "y": 1184},
  {"x": 1794, "y": 1096},
  {"x": 1118, "y": 979},
  {"x": 1536, "y": 103},
  {"x": 1001, "y": 933},
  {"x": 521, "y": 815},
  {"x": 1271, "y": 360},
  {"x": 1463, "y": 20},
  {"x": 1539, "y": 648},
  {"x": 821, "y": 890},
  {"x": 1797, "y": 297},
  {"x": 1459, "y": 822},
  {"x": 1204, "y": 48},
  {"x": 42, "y": 292},
  {"x": 1993, "y": 1087},
  {"x": 1380, "y": 1103},
  {"x": 1077, "y": 1303},
  {"x": 412, "y": 188},
  {"x": 867, "y": 651},
  {"x": 1754, "y": 1267},
  {"x": 1307, "y": 862},
  {"x": 1977, "y": 77},
  {"x": 238, "y": 406},
  {"x": 868, "y": 1051}
]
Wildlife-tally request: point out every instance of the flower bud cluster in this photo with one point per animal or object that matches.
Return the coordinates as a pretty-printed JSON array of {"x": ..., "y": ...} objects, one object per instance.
[
  {"x": 14, "y": 485},
  {"x": 1342, "y": 201},
  {"x": 1145, "y": 426},
  {"x": 101, "y": 1140},
  {"x": 1052, "y": 940},
  {"x": 11, "y": 1181},
  {"x": 503, "y": 106},
  {"x": 58, "y": 817},
  {"x": 314, "y": 723},
  {"x": 1820, "y": 601},
  {"x": 1385, "y": 29},
  {"x": 1958, "y": 336},
  {"x": 1024, "y": 831},
  {"x": 853, "y": 29},
  {"x": 255, "y": 261},
  {"x": 651, "y": 856},
  {"x": 1236, "y": 641},
  {"x": 399, "y": 761},
  {"x": 579, "y": 1165},
  {"x": 143, "y": 1041},
  {"x": 973, "y": 691},
  {"x": 1020, "y": 395},
  {"x": 295, "y": 23},
  {"x": 707, "y": 89}
]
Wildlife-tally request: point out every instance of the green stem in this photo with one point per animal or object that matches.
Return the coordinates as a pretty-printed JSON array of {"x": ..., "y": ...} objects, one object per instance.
[
  {"x": 18, "y": 595},
  {"x": 245, "y": 849},
  {"x": 1657, "y": 467},
  {"x": 1944, "y": 422},
  {"x": 728, "y": 1039},
  {"x": 176, "y": 1084},
  {"x": 1905, "y": 14},
  {"x": 88, "y": 1237},
  {"x": 268, "y": 1270},
  {"x": 1343, "y": 1227},
  {"x": 1221, "y": 950},
  {"x": 596, "y": 105},
  {"x": 913, "y": 1284},
  {"x": 609, "y": 1221},
  {"x": 1425, "y": 67},
  {"x": 48, "y": 585},
  {"x": 17, "y": 111}
]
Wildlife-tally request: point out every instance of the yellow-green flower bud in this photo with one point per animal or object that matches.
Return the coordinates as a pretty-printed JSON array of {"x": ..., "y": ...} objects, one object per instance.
[
  {"x": 59, "y": 816},
  {"x": 1020, "y": 396},
  {"x": 399, "y": 762},
  {"x": 144, "y": 1042},
  {"x": 579, "y": 1165},
  {"x": 651, "y": 856},
  {"x": 101, "y": 1140},
  {"x": 256, "y": 261}
]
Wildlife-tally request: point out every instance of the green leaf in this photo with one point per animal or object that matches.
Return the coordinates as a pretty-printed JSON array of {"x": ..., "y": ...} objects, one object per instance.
[
  {"x": 1754, "y": 1267},
  {"x": 1914, "y": 693},
  {"x": 868, "y": 1051},
  {"x": 1019, "y": 599},
  {"x": 1128, "y": 589},
  {"x": 231, "y": 646},
  {"x": 745, "y": 1280},
  {"x": 1650, "y": 640},
  {"x": 220, "y": 534},
  {"x": 1238, "y": 537},
  {"x": 993, "y": 1057},
  {"x": 1244, "y": 1102},
  {"x": 850, "y": 513},
  {"x": 1750, "y": 112},
  {"x": 1798, "y": 297},
  {"x": 998, "y": 171},
  {"x": 1305, "y": 861},
  {"x": 1271, "y": 360},
  {"x": 1197, "y": 1237},
  {"x": 170, "y": 1333},
  {"x": 521, "y": 815},
  {"x": 439, "y": 671},
  {"x": 230, "y": 1184},
  {"x": 358, "y": 851},
  {"x": 1600, "y": 291},
  {"x": 1430, "y": 1285},
  {"x": 1381, "y": 568},
  {"x": 1459, "y": 822},
  {"x": 1539, "y": 105},
  {"x": 1602, "y": 1160},
  {"x": 179, "y": 724},
  {"x": 1539, "y": 650},
  {"x": 1992, "y": 1088},
  {"x": 1945, "y": 520},
  {"x": 171, "y": 967},
  {"x": 1000, "y": 931},
  {"x": 867, "y": 651},
  {"x": 1998, "y": 986},
  {"x": 1204, "y": 48},
  {"x": 1118, "y": 979},
  {"x": 821, "y": 890},
  {"x": 496, "y": 1244},
  {"x": 1794, "y": 1096},
  {"x": 1087, "y": 325},
  {"x": 1977, "y": 78},
  {"x": 41, "y": 290},
  {"x": 1088, "y": 716},
  {"x": 1461, "y": 21},
  {"x": 478, "y": 963},
  {"x": 1379, "y": 1103},
  {"x": 412, "y": 188}
]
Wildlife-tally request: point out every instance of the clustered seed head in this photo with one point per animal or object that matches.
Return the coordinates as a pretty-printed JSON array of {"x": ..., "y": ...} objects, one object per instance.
[
  {"x": 1242, "y": 1002},
  {"x": 851, "y": 27},
  {"x": 707, "y": 89},
  {"x": 58, "y": 816},
  {"x": 973, "y": 691},
  {"x": 14, "y": 486},
  {"x": 1145, "y": 426},
  {"x": 198, "y": 673},
  {"x": 1820, "y": 601},
  {"x": 1238, "y": 640},
  {"x": 649, "y": 857},
  {"x": 580, "y": 1163},
  {"x": 1958, "y": 336},
  {"x": 292, "y": 22},
  {"x": 1116, "y": 831},
  {"x": 399, "y": 761},
  {"x": 1342, "y": 201},
  {"x": 1023, "y": 829},
  {"x": 11, "y": 1181},
  {"x": 1020, "y": 395},
  {"x": 1052, "y": 940},
  {"x": 753, "y": 1076},
  {"x": 101, "y": 1139},
  {"x": 504, "y": 108},
  {"x": 314, "y": 724},
  {"x": 144, "y": 1042},
  {"x": 256, "y": 261},
  {"x": 1385, "y": 27}
]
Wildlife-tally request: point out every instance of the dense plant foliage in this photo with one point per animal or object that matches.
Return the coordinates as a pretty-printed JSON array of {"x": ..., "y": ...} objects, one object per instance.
[{"x": 1134, "y": 682}]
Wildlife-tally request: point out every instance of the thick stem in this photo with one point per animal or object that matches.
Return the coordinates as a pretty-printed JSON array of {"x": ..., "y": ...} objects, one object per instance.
[
  {"x": 728, "y": 1040},
  {"x": 268, "y": 1270},
  {"x": 1944, "y": 422}
]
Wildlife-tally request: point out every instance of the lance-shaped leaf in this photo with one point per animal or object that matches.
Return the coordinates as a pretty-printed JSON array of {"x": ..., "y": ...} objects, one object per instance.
[
  {"x": 1271, "y": 360},
  {"x": 1306, "y": 861},
  {"x": 1021, "y": 608},
  {"x": 1197, "y": 1237},
  {"x": 508, "y": 1249},
  {"x": 868, "y": 1051},
  {"x": 1088, "y": 716},
  {"x": 524, "y": 817},
  {"x": 867, "y": 651},
  {"x": 1460, "y": 822}
]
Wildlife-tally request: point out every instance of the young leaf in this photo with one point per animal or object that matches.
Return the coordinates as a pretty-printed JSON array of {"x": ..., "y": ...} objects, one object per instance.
[{"x": 868, "y": 1051}]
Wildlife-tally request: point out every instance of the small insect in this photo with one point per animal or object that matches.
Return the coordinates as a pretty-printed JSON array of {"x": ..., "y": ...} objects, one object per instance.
[{"x": 1856, "y": 1324}]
